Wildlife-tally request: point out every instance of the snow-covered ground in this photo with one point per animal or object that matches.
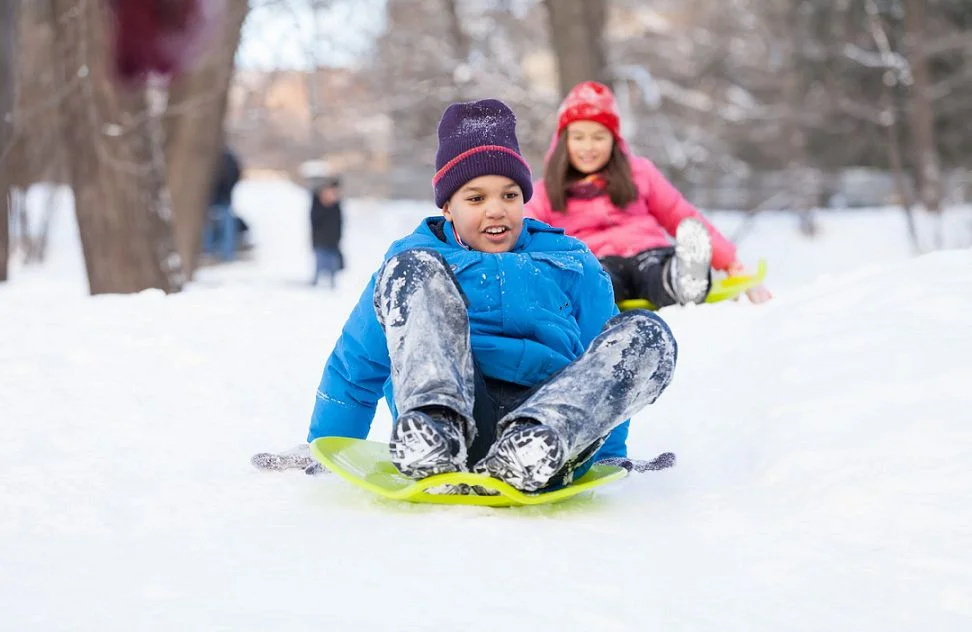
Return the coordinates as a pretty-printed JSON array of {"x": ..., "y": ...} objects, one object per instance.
[{"x": 824, "y": 478}]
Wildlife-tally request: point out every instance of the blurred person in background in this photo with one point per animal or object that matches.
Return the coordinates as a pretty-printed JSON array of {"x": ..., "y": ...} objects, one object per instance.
[
  {"x": 326, "y": 223},
  {"x": 222, "y": 228},
  {"x": 161, "y": 36}
]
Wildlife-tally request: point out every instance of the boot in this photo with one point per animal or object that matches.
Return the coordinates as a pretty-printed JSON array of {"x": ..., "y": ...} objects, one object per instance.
[
  {"x": 689, "y": 274},
  {"x": 625, "y": 368},
  {"x": 428, "y": 442},
  {"x": 527, "y": 455}
]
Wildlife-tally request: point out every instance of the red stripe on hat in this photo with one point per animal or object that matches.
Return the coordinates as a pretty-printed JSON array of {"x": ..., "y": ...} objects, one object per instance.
[{"x": 469, "y": 152}]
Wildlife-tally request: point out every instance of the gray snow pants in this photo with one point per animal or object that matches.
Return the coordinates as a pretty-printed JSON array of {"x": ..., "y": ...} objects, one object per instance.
[{"x": 424, "y": 314}]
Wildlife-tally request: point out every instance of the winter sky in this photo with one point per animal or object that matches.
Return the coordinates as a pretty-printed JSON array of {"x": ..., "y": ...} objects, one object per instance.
[{"x": 290, "y": 34}]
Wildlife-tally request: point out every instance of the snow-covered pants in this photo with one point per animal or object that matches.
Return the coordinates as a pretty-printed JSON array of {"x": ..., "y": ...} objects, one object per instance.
[{"x": 423, "y": 311}]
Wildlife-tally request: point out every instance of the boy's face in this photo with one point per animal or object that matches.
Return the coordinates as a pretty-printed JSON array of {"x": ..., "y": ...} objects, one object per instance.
[
  {"x": 487, "y": 212},
  {"x": 589, "y": 146}
]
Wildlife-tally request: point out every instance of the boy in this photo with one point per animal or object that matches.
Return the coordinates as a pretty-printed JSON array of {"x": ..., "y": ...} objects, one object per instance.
[{"x": 495, "y": 340}]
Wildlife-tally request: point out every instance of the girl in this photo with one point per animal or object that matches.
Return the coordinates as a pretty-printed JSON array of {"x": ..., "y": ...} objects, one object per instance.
[
  {"x": 625, "y": 210},
  {"x": 495, "y": 339}
]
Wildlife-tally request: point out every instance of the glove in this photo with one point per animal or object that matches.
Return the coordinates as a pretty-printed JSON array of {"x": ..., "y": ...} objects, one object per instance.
[
  {"x": 660, "y": 462},
  {"x": 296, "y": 458},
  {"x": 315, "y": 469}
]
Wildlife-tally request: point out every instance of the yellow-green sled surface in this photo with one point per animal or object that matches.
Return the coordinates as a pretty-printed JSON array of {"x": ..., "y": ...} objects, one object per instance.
[
  {"x": 366, "y": 464},
  {"x": 722, "y": 289}
]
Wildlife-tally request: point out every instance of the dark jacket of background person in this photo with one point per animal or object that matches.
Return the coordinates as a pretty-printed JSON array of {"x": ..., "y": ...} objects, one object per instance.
[
  {"x": 226, "y": 178},
  {"x": 325, "y": 223}
]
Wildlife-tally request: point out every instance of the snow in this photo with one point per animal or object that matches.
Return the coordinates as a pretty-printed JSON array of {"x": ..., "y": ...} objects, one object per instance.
[{"x": 823, "y": 479}]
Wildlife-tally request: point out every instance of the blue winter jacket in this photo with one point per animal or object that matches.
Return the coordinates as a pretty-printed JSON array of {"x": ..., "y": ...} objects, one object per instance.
[{"x": 531, "y": 312}]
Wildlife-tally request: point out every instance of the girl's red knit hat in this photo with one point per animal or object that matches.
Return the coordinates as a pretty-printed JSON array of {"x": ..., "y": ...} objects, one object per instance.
[{"x": 590, "y": 101}]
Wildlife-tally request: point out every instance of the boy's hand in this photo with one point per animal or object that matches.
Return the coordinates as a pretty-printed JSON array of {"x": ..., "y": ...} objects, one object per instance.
[
  {"x": 297, "y": 458},
  {"x": 316, "y": 470},
  {"x": 660, "y": 462}
]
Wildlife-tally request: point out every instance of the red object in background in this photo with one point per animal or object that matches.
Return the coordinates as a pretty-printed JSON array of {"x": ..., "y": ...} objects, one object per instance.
[{"x": 160, "y": 36}]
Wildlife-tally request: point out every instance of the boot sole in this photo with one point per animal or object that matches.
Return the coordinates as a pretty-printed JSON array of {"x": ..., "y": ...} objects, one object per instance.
[
  {"x": 526, "y": 459},
  {"x": 419, "y": 450},
  {"x": 693, "y": 254}
]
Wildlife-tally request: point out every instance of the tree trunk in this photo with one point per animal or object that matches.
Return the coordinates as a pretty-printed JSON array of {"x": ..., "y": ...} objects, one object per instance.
[
  {"x": 8, "y": 73},
  {"x": 928, "y": 175},
  {"x": 900, "y": 184},
  {"x": 460, "y": 40},
  {"x": 795, "y": 138},
  {"x": 461, "y": 46},
  {"x": 889, "y": 117},
  {"x": 577, "y": 33},
  {"x": 891, "y": 124},
  {"x": 194, "y": 131},
  {"x": 116, "y": 169}
]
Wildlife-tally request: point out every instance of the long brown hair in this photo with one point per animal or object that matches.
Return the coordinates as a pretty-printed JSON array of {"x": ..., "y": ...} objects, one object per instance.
[{"x": 559, "y": 174}]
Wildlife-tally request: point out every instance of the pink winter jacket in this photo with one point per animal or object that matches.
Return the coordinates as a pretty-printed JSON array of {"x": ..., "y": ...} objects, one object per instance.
[{"x": 648, "y": 222}]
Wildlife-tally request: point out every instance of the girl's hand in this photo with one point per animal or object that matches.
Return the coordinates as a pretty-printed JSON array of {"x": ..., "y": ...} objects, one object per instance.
[
  {"x": 736, "y": 268},
  {"x": 759, "y": 294},
  {"x": 756, "y": 295}
]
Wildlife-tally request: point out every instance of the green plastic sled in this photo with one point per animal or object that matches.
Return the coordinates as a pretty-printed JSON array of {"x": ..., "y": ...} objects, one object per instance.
[
  {"x": 366, "y": 464},
  {"x": 722, "y": 289}
]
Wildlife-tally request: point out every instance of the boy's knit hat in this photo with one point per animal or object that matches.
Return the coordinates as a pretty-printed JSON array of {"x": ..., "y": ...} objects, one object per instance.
[
  {"x": 590, "y": 101},
  {"x": 478, "y": 139}
]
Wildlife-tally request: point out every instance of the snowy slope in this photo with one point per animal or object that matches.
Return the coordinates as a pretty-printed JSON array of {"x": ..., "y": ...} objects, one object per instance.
[{"x": 823, "y": 440}]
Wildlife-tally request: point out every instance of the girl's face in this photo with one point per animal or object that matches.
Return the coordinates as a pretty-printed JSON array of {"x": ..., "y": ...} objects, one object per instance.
[
  {"x": 487, "y": 212},
  {"x": 589, "y": 146}
]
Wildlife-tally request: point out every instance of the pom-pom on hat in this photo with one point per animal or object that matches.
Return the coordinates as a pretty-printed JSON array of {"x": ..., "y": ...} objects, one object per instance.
[
  {"x": 478, "y": 139},
  {"x": 590, "y": 101}
]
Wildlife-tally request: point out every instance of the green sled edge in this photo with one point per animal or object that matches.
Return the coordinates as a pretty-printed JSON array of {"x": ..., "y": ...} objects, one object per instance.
[
  {"x": 722, "y": 289},
  {"x": 366, "y": 464}
]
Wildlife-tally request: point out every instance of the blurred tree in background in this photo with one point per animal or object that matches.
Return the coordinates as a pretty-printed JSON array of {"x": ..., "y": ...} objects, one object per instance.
[
  {"x": 744, "y": 104},
  {"x": 194, "y": 133},
  {"x": 137, "y": 148},
  {"x": 116, "y": 169},
  {"x": 8, "y": 71},
  {"x": 577, "y": 37}
]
